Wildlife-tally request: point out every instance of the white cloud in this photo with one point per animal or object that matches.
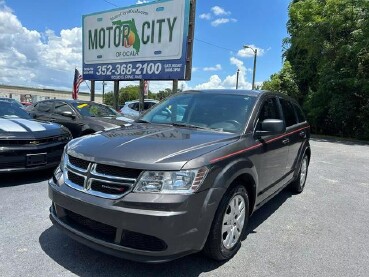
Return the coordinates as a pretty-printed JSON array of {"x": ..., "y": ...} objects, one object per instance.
[
  {"x": 206, "y": 16},
  {"x": 213, "y": 83},
  {"x": 220, "y": 14},
  {"x": 229, "y": 82},
  {"x": 213, "y": 68},
  {"x": 247, "y": 52},
  {"x": 37, "y": 59},
  {"x": 141, "y": 2},
  {"x": 219, "y": 11},
  {"x": 220, "y": 21}
]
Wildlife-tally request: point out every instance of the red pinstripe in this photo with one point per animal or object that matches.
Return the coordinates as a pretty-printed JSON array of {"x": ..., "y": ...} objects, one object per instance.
[{"x": 256, "y": 145}]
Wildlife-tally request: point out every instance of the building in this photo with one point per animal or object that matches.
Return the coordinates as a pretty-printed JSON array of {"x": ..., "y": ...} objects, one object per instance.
[{"x": 24, "y": 94}]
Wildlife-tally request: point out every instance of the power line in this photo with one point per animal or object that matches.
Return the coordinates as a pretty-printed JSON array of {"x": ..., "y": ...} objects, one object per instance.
[
  {"x": 212, "y": 44},
  {"x": 110, "y": 3}
]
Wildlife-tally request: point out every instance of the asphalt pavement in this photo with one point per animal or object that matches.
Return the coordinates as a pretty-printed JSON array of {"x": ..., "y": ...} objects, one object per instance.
[{"x": 321, "y": 232}]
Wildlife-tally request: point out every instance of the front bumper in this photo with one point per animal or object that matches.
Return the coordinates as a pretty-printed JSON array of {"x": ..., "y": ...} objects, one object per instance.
[
  {"x": 142, "y": 227},
  {"x": 14, "y": 158}
]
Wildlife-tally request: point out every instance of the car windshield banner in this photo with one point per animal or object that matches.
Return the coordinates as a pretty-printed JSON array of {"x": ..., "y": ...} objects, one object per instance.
[{"x": 147, "y": 41}]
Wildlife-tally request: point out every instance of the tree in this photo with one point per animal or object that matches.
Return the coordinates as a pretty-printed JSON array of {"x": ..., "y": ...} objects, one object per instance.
[
  {"x": 329, "y": 55},
  {"x": 284, "y": 82}
]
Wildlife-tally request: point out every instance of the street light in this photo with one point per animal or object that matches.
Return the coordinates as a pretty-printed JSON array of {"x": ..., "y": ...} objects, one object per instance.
[{"x": 254, "y": 70}]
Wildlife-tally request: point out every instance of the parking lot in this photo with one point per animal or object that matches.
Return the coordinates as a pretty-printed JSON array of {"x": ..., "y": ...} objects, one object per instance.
[{"x": 321, "y": 232}]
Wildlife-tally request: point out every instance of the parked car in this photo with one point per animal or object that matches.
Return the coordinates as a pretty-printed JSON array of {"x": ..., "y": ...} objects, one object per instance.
[
  {"x": 11, "y": 100},
  {"x": 80, "y": 117},
  {"x": 26, "y": 144},
  {"x": 185, "y": 177},
  {"x": 131, "y": 108}
]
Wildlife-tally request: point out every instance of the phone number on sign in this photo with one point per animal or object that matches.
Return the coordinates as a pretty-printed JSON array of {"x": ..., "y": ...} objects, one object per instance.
[{"x": 146, "y": 68}]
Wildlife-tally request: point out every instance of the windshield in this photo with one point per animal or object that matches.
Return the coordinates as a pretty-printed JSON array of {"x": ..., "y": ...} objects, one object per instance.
[
  {"x": 8, "y": 110},
  {"x": 94, "y": 110},
  {"x": 221, "y": 112}
]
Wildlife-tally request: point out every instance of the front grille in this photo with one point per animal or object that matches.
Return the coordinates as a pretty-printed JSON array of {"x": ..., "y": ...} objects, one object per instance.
[
  {"x": 109, "y": 188},
  {"x": 13, "y": 164},
  {"x": 90, "y": 227},
  {"x": 118, "y": 171},
  {"x": 78, "y": 162},
  {"x": 100, "y": 179},
  {"x": 142, "y": 242},
  {"x": 108, "y": 233},
  {"x": 76, "y": 179},
  {"x": 29, "y": 142}
]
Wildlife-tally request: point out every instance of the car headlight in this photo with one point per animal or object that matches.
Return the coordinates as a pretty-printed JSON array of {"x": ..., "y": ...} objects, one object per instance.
[
  {"x": 58, "y": 176},
  {"x": 184, "y": 181},
  {"x": 66, "y": 136}
]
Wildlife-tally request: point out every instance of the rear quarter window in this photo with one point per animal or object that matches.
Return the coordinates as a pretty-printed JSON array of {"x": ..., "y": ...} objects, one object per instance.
[
  {"x": 300, "y": 114},
  {"x": 288, "y": 112}
]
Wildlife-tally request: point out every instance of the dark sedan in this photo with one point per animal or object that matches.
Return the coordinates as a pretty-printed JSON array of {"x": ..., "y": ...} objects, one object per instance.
[
  {"x": 26, "y": 144},
  {"x": 80, "y": 117}
]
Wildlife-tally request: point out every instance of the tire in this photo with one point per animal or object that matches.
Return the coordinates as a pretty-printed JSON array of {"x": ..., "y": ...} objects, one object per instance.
[
  {"x": 226, "y": 232},
  {"x": 298, "y": 185}
]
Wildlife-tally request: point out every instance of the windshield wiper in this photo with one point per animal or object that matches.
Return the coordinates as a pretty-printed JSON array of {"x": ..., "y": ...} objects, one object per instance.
[
  {"x": 142, "y": 121},
  {"x": 176, "y": 124}
]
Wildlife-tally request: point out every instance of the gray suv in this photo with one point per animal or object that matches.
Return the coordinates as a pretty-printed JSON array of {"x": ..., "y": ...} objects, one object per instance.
[{"x": 185, "y": 177}]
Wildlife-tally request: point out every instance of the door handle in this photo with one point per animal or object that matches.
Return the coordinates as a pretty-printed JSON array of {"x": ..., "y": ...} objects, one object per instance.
[{"x": 285, "y": 141}]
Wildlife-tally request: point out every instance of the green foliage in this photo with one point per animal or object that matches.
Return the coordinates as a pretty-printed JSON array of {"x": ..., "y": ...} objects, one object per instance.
[
  {"x": 133, "y": 93},
  {"x": 284, "y": 82},
  {"x": 328, "y": 50},
  {"x": 163, "y": 94}
]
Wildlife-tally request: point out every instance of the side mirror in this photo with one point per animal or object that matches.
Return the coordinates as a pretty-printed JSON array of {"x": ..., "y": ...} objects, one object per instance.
[
  {"x": 68, "y": 114},
  {"x": 271, "y": 127}
]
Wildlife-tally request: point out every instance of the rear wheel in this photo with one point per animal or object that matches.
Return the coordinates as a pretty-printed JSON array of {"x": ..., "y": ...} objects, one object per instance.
[
  {"x": 298, "y": 185},
  {"x": 228, "y": 226}
]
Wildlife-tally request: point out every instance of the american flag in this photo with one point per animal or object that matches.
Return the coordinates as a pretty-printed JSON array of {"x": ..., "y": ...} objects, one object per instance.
[{"x": 76, "y": 82}]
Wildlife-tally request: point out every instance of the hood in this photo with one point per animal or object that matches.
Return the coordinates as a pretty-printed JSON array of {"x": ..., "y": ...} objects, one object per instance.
[
  {"x": 106, "y": 122},
  {"x": 148, "y": 146},
  {"x": 25, "y": 128}
]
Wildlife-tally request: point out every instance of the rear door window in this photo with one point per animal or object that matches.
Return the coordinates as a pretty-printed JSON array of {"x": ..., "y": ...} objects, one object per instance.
[{"x": 61, "y": 107}]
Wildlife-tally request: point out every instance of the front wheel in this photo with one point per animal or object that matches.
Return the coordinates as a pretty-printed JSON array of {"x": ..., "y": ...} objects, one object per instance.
[
  {"x": 228, "y": 226},
  {"x": 298, "y": 185}
]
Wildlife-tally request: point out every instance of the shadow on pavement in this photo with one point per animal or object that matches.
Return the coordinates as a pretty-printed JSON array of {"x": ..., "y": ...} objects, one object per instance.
[
  {"x": 84, "y": 261},
  {"x": 23, "y": 178},
  {"x": 267, "y": 210}
]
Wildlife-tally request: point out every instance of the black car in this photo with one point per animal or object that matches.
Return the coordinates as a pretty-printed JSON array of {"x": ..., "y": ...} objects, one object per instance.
[
  {"x": 80, "y": 117},
  {"x": 184, "y": 177},
  {"x": 26, "y": 144}
]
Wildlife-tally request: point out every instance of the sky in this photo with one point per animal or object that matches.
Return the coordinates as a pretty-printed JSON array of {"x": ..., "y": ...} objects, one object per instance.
[{"x": 41, "y": 42}]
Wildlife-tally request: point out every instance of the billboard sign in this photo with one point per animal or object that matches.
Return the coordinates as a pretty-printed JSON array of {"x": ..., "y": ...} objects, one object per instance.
[{"x": 147, "y": 41}]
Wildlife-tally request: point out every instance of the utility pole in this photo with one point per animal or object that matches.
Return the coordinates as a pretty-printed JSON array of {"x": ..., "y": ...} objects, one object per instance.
[
  {"x": 254, "y": 70},
  {"x": 238, "y": 73},
  {"x": 103, "y": 85}
]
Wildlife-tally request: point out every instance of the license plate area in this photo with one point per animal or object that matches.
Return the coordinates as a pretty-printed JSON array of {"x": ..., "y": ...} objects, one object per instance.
[{"x": 36, "y": 159}]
